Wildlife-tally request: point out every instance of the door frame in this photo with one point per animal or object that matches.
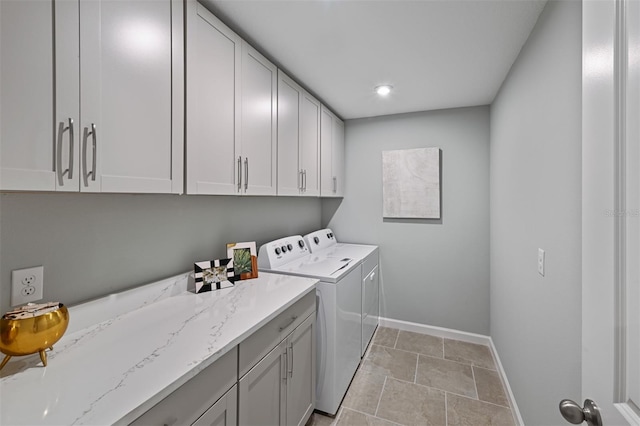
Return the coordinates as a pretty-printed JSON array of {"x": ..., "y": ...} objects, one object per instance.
[{"x": 604, "y": 218}]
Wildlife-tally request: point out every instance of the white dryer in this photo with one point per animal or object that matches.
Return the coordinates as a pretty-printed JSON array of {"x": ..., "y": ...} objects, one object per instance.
[
  {"x": 324, "y": 243},
  {"x": 338, "y": 318}
]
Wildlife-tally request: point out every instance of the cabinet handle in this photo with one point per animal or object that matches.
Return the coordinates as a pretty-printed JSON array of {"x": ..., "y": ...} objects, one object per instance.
[
  {"x": 283, "y": 364},
  {"x": 335, "y": 184},
  {"x": 246, "y": 173},
  {"x": 69, "y": 171},
  {"x": 300, "y": 181},
  {"x": 291, "y": 320},
  {"x": 304, "y": 180},
  {"x": 290, "y": 363},
  {"x": 373, "y": 276},
  {"x": 239, "y": 173},
  {"x": 170, "y": 421},
  {"x": 94, "y": 144}
]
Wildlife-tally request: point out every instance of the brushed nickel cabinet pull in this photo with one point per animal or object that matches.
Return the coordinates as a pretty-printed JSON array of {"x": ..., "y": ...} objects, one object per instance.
[
  {"x": 290, "y": 362},
  {"x": 246, "y": 173},
  {"x": 304, "y": 180},
  {"x": 239, "y": 173},
  {"x": 94, "y": 144},
  {"x": 288, "y": 323},
  {"x": 69, "y": 170}
]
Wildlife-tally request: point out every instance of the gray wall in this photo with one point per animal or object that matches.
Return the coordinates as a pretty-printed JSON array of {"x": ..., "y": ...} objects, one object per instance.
[
  {"x": 434, "y": 272},
  {"x": 95, "y": 244},
  {"x": 535, "y": 203}
]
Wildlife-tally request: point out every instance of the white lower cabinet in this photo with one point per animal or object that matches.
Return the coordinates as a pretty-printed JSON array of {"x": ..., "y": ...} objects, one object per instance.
[
  {"x": 191, "y": 403},
  {"x": 277, "y": 370},
  {"x": 301, "y": 373},
  {"x": 280, "y": 389},
  {"x": 263, "y": 390},
  {"x": 222, "y": 413}
]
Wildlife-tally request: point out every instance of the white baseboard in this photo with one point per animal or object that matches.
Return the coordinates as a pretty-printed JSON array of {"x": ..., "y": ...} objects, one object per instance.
[{"x": 464, "y": 336}]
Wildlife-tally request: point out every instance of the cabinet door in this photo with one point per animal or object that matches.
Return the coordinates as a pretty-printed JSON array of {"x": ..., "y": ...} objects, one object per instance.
[
  {"x": 337, "y": 156},
  {"x": 326, "y": 135},
  {"x": 130, "y": 128},
  {"x": 35, "y": 97},
  {"x": 213, "y": 107},
  {"x": 262, "y": 391},
  {"x": 259, "y": 99},
  {"x": 301, "y": 372},
  {"x": 289, "y": 120},
  {"x": 222, "y": 413},
  {"x": 310, "y": 145}
]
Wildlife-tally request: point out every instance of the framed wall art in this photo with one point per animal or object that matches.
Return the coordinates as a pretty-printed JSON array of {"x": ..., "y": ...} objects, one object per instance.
[
  {"x": 411, "y": 183},
  {"x": 213, "y": 275},
  {"x": 244, "y": 259}
]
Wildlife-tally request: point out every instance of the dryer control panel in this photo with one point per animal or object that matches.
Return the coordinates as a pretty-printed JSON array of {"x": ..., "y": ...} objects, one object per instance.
[{"x": 319, "y": 240}]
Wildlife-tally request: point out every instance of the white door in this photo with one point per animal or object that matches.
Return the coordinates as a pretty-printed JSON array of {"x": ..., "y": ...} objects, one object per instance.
[
  {"x": 259, "y": 98},
  {"x": 262, "y": 391},
  {"x": 126, "y": 135},
  {"x": 213, "y": 112},
  {"x": 289, "y": 174},
  {"x": 39, "y": 105},
  {"x": 327, "y": 184},
  {"x": 610, "y": 336},
  {"x": 310, "y": 145},
  {"x": 337, "y": 156},
  {"x": 301, "y": 372},
  {"x": 223, "y": 413}
]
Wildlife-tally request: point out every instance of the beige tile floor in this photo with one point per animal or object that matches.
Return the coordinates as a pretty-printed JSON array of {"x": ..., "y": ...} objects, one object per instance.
[{"x": 410, "y": 379}]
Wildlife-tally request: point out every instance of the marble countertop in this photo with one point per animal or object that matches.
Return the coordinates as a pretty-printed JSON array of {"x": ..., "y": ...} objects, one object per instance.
[{"x": 124, "y": 353}]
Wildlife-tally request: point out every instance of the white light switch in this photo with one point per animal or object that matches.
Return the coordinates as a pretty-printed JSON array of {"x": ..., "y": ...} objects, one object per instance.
[{"x": 541, "y": 262}]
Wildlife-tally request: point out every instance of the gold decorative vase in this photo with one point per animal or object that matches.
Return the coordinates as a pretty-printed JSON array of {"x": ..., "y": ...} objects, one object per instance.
[{"x": 26, "y": 336}]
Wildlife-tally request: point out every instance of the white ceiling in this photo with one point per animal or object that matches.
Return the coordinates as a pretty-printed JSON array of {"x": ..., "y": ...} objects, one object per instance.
[{"x": 435, "y": 53}]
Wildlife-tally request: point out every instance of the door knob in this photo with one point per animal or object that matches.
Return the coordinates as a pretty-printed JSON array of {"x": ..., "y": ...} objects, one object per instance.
[{"x": 575, "y": 414}]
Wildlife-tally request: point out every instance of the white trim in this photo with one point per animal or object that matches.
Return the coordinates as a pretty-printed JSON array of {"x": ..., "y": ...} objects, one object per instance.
[
  {"x": 505, "y": 382},
  {"x": 628, "y": 413},
  {"x": 465, "y": 337},
  {"x": 436, "y": 331}
]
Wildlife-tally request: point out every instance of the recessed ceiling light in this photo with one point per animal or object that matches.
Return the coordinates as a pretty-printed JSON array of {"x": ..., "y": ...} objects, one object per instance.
[{"x": 383, "y": 90}]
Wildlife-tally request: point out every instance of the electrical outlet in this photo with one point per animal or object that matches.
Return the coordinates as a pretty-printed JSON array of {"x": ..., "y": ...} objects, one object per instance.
[
  {"x": 541, "y": 262},
  {"x": 26, "y": 285}
]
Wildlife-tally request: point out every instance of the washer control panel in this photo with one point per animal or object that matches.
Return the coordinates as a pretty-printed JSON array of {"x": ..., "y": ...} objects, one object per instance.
[
  {"x": 284, "y": 250},
  {"x": 320, "y": 239}
]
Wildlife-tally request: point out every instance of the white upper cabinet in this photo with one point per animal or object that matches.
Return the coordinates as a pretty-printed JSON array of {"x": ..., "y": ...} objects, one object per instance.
[
  {"x": 231, "y": 111},
  {"x": 39, "y": 108},
  {"x": 289, "y": 117},
  {"x": 298, "y": 139},
  {"x": 310, "y": 145},
  {"x": 258, "y": 139},
  {"x": 101, "y": 109},
  {"x": 331, "y": 155},
  {"x": 130, "y": 72},
  {"x": 213, "y": 115}
]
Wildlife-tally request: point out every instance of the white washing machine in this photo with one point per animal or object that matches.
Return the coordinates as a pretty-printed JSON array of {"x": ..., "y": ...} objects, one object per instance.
[
  {"x": 338, "y": 318},
  {"x": 324, "y": 243}
]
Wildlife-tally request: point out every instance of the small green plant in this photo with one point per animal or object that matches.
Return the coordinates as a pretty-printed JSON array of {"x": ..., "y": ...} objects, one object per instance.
[{"x": 242, "y": 261}]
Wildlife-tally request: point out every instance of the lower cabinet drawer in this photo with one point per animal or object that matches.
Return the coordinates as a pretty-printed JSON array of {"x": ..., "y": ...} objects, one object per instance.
[
  {"x": 260, "y": 343},
  {"x": 187, "y": 403}
]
